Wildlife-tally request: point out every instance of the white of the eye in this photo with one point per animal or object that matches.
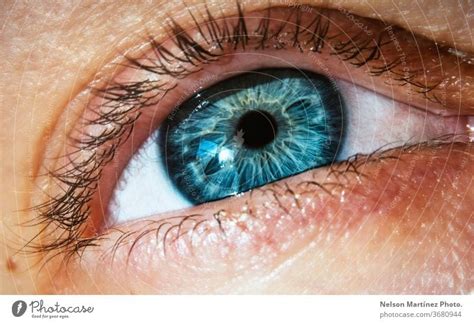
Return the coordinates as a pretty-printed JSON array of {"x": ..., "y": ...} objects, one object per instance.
[
  {"x": 374, "y": 121},
  {"x": 145, "y": 188}
]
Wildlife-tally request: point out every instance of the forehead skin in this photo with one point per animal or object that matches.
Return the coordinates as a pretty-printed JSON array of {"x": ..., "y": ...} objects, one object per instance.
[{"x": 51, "y": 50}]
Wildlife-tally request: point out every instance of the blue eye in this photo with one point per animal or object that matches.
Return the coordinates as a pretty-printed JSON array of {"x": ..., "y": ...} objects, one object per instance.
[{"x": 250, "y": 130}]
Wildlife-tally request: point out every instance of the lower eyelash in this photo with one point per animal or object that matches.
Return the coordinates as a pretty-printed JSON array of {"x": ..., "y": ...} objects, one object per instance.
[{"x": 193, "y": 227}]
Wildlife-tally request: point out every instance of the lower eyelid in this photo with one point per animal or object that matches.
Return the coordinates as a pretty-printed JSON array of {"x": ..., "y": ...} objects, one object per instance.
[{"x": 317, "y": 206}]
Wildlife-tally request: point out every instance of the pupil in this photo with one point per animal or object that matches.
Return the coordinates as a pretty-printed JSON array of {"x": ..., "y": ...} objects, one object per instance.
[{"x": 259, "y": 128}]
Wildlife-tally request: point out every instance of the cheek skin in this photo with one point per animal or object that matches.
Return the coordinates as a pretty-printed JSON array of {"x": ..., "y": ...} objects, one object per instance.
[{"x": 396, "y": 225}]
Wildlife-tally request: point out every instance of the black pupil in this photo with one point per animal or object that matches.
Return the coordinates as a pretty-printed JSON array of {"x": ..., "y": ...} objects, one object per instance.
[{"x": 258, "y": 128}]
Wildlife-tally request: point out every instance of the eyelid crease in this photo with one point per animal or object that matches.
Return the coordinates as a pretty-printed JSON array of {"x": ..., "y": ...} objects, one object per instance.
[{"x": 68, "y": 212}]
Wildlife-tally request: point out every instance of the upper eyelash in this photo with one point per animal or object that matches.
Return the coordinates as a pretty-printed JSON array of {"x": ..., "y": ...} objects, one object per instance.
[
  {"x": 69, "y": 211},
  {"x": 358, "y": 51}
]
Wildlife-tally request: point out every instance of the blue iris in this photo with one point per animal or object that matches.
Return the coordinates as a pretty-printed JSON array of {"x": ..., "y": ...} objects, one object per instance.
[{"x": 250, "y": 130}]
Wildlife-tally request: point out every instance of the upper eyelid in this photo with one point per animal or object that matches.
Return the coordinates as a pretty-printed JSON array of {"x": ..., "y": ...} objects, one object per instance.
[
  {"x": 399, "y": 67},
  {"x": 101, "y": 76},
  {"x": 133, "y": 46}
]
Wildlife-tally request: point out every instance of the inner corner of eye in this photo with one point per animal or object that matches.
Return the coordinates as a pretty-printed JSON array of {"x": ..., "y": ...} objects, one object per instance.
[{"x": 241, "y": 133}]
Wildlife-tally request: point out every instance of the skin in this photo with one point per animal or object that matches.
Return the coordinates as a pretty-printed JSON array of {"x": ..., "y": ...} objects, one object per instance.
[{"x": 52, "y": 51}]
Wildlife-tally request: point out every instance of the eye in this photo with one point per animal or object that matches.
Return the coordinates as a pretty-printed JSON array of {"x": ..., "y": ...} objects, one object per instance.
[
  {"x": 251, "y": 130},
  {"x": 254, "y": 119},
  {"x": 230, "y": 140}
]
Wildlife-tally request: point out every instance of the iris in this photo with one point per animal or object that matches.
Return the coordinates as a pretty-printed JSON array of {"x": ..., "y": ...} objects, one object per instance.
[{"x": 250, "y": 130}]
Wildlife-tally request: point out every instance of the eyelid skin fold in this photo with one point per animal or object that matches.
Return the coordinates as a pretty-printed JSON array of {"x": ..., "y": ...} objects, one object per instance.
[
  {"x": 98, "y": 150},
  {"x": 340, "y": 209}
]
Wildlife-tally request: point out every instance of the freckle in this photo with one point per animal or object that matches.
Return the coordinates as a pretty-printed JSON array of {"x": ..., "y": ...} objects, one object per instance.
[{"x": 11, "y": 265}]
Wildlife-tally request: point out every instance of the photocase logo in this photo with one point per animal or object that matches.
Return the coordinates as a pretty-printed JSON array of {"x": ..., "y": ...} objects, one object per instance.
[{"x": 19, "y": 308}]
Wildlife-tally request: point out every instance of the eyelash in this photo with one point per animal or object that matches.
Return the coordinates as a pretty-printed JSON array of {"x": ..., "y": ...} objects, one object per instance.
[{"x": 68, "y": 212}]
